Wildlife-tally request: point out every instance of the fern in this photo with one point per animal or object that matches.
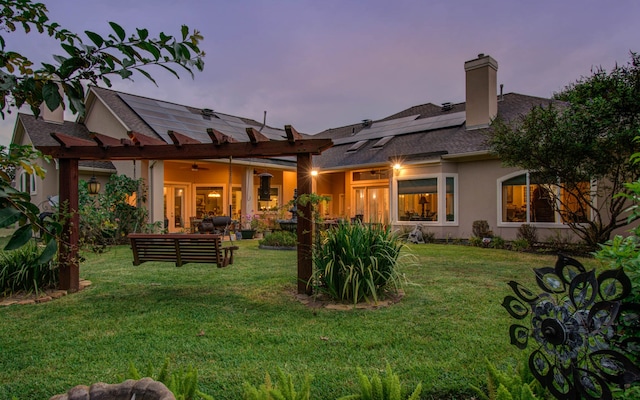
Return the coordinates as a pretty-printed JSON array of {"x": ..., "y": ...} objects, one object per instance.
[
  {"x": 385, "y": 388},
  {"x": 182, "y": 383},
  {"x": 504, "y": 386},
  {"x": 283, "y": 389}
]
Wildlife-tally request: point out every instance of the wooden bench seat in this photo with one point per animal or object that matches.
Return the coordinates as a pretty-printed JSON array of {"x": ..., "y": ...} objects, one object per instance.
[{"x": 180, "y": 248}]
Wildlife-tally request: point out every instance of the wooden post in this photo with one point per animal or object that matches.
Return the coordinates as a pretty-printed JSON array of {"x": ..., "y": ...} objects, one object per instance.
[
  {"x": 68, "y": 265},
  {"x": 305, "y": 225}
]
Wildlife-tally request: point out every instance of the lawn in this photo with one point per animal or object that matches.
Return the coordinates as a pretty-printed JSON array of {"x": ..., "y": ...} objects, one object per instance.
[{"x": 235, "y": 324}]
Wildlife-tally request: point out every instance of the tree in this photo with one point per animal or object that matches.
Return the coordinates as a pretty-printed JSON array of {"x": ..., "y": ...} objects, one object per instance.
[
  {"x": 91, "y": 59},
  {"x": 585, "y": 136}
]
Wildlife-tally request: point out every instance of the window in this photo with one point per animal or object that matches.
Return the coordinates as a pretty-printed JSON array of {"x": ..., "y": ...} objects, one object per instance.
[
  {"x": 209, "y": 201},
  {"x": 31, "y": 189},
  {"x": 428, "y": 199},
  {"x": 273, "y": 203},
  {"x": 418, "y": 200},
  {"x": 525, "y": 200}
]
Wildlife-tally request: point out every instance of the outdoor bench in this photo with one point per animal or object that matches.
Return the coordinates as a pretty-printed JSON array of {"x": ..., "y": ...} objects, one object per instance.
[{"x": 181, "y": 248}]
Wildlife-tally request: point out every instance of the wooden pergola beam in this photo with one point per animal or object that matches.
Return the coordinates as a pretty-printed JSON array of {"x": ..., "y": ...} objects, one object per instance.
[
  {"x": 179, "y": 139},
  {"x": 256, "y": 136},
  {"x": 87, "y": 150}
]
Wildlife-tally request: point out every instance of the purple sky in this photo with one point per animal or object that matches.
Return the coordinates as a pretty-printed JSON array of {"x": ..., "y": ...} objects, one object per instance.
[{"x": 319, "y": 64}]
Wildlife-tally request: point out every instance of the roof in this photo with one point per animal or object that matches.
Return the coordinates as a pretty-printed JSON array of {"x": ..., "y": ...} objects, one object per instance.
[
  {"x": 420, "y": 132},
  {"x": 155, "y": 117},
  {"x": 39, "y": 131}
]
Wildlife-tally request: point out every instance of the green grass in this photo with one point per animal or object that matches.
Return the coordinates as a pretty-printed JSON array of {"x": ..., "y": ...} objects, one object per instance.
[{"x": 449, "y": 320}]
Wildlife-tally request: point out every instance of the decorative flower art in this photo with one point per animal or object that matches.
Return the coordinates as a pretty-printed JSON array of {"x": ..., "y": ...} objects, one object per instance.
[{"x": 585, "y": 336}]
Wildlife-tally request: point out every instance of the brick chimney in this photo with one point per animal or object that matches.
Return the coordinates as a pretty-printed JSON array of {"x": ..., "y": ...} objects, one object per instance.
[{"x": 481, "y": 91}]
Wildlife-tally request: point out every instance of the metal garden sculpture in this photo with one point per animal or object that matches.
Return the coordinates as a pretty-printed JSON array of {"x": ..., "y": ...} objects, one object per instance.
[{"x": 585, "y": 336}]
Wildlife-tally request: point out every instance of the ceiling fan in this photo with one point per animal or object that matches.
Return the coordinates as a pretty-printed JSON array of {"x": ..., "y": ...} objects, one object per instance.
[{"x": 195, "y": 167}]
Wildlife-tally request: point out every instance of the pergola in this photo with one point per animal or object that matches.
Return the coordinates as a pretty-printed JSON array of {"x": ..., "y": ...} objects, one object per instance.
[{"x": 140, "y": 147}]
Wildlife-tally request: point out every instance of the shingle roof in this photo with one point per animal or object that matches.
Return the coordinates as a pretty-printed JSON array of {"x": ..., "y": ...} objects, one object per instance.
[
  {"x": 155, "y": 117},
  {"x": 451, "y": 140},
  {"x": 39, "y": 131}
]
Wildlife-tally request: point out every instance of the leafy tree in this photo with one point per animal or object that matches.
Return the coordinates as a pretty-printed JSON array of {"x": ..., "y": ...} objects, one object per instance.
[
  {"x": 588, "y": 134},
  {"x": 85, "y": 60},
  {"x": 88, "y": 59}
]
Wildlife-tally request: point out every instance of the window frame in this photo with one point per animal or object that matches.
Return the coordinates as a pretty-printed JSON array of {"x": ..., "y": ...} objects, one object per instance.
[
  {"x": 441, "y": 187},
  {"x": 558, "y": 219}
]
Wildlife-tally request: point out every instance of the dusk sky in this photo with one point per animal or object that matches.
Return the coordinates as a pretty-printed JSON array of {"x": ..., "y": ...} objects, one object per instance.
[{"x": 328, "y": 63}]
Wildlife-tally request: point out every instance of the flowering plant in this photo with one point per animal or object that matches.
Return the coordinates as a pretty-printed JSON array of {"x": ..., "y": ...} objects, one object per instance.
[{"x": 251, "y": 221}]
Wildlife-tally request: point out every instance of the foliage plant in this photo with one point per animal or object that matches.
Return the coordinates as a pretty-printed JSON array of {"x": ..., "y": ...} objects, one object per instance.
[
  {"x": 587, "y": 134},
  {"x": 183, "y": 383},
  {"x": 91, "y": 58},
  {"x": 514, "y": 385},
  {"x": 282, "y": 389},
  {"x": 355, "y": 262},
  {"x": 279, "y": 239},
  {"x": 108, "y": 217},
  {"x": 387, "y": 387},
  {"x": 21, "y": 270},
  {"x": 529, "y": 233},
  {"x": 16, "y": 206},
  {"x": 481, "y": 229}
]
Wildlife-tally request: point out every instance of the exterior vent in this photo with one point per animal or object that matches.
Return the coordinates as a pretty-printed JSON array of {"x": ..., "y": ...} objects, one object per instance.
[
  {"x": 366, "y": 123},
  {"x": 447, "y": 106},
  {"x": 207, "y": 113}
]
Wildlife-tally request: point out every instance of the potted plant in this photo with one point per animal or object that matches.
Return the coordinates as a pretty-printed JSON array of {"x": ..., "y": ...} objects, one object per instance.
[{"x": 249, "y": 226}]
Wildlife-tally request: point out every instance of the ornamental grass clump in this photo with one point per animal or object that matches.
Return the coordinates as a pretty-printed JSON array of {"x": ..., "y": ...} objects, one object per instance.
[
  {"x": 356, "y": 262},
  {"x": 22, "y": 270}
]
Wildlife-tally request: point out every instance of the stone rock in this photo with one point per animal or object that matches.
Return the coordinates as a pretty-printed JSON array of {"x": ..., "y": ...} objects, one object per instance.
[{"x": 143, "y": 389}]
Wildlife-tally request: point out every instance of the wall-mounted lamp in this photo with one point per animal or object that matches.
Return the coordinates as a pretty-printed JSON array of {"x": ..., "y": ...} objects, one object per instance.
[
  {"x": 93, "y": 185},
  {"x": 314, "y": 172}
]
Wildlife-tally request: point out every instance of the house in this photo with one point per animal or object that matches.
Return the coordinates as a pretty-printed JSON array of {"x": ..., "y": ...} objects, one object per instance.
[{"x": 428, "y": 164}]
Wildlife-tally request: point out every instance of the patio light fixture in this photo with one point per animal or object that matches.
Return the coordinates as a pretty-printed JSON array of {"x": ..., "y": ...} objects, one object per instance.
[{"x": 93, "y": 185}]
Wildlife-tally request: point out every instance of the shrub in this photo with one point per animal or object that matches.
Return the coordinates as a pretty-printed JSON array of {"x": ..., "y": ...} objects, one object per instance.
[
  {"x": 279, "y": 239},
  {"x": 529, "y": 233},
  {"x": 355, "y": 262},
  {"x": 20, "y": 270},
  {"x": 382, "y": 388},
  {"x": 497, "y": 242},
  {"x": 283, "y": 389},
  {"x": 481, "y": 229},
  {"x": 520, "y": 245}
]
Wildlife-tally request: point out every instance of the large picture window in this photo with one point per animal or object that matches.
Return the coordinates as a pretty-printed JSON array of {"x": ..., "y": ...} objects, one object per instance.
[
  {"x": 524, "y": 200},
  {"x": 418, "y": 200}
]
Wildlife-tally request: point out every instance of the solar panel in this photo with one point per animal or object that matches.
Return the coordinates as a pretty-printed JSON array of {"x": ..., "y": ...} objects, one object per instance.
[
  {"x": 184, "y": 120},
  {"x": 403, "y": 126}
]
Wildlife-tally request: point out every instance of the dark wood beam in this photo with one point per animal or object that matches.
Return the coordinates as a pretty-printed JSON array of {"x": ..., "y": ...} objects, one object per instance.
[
  {"x": 305, "y": 225},
  {"x": 218, "y": 137},
  {"x": 273, "y": 148},
  {"x": 179, "y": 139},
  {"x": 107, "y": 141},
  {"x": 256, "y": 136},
  {"x": 68, "y": 264},
  {"x": 68, "y": 142},
  {"x": 292, "y": 134},
  {"x": 143, "y": 140}
]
